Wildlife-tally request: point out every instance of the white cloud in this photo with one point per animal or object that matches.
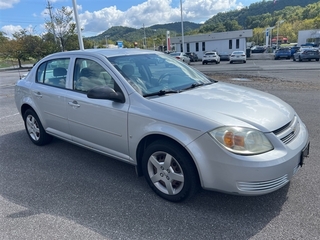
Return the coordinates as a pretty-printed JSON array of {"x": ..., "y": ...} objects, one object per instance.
[
  {"x": 10, "y": 29},
  {"x": 148, "y": 13},
  {"x": 153, "y": 12},
  {"x": 8, "y": 3}
]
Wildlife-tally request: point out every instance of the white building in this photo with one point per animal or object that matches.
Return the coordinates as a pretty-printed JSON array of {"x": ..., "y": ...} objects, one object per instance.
[
  {"x": 220, "y": 42},
  {"x": 305, "y": 36}
]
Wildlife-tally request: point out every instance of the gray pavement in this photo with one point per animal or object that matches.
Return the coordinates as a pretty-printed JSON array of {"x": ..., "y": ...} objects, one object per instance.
[{"x": 61, "y": 191}]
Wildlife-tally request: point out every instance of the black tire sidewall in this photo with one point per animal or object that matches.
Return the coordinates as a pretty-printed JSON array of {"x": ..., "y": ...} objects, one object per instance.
[
  {"x": 191, "y": 179},
  {"x": 44, "y": 137}
]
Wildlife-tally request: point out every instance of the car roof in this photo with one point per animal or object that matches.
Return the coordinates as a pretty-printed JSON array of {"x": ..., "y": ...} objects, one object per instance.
[
  {"x": 175, "y": 53},
  {"x": 238, "y": 52},
  {"x": 107, "y": 52}
]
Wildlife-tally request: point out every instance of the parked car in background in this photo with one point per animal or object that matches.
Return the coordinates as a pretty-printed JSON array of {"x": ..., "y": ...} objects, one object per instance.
[
  {"x": 210, "y": 57},
  {"x": 181, "y": 56},
  {"x": 224, "y": 56},
  {"x": 238, "y": 56},
  {"x": 193, "y": 56},
  {"x": 180, "y": 129},
  {"x": 282, "y": 53},
  {"x": 310, "y": 44},
  {"x": 258, "y": 49},
  {"x": 306, "y": 54},
  {"x": 294, "y": 49}
]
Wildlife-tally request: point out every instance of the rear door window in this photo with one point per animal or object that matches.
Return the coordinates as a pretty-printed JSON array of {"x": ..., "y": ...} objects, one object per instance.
[{"x": 53, "y": 72}]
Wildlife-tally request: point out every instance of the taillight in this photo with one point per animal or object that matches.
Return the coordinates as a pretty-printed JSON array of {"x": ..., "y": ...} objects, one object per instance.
[{"x": 177, "y": 57}]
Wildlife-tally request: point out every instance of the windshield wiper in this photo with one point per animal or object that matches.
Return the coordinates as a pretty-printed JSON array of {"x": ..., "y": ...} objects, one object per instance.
[
  {"x": 194, "y": 85},
  {"x": 161, "y": 93}
]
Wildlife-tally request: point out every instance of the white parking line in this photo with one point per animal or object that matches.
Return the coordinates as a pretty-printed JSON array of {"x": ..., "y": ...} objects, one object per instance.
[{"x": 9, "y": 116}]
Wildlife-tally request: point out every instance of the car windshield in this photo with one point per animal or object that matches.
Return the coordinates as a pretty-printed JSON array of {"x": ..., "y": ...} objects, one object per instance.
[{"x": 154, "y": 73}]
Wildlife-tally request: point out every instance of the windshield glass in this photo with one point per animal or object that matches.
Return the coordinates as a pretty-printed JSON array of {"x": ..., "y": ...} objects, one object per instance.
[{"x": 157, "y": 72}]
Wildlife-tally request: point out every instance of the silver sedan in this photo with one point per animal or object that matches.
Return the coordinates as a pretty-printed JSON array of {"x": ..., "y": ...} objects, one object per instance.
[{"x": 180, "y": 129}]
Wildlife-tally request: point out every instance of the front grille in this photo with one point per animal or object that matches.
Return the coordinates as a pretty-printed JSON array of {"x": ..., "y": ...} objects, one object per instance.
[
  {"x": 279, "y": 130},
  {"x": 288, "y": 138},
  {"x": 263, "y": 185},
  {"x": 289, "y": 131}
]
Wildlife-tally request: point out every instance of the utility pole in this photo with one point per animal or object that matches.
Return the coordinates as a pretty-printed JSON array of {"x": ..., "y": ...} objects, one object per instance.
[
  {"x": 182, "y": 50},
  {"x": 49, "y": 7},
  {"x": 281, "y": 21},
  {"x": 144, "y": 38},
  {"x": 75, "y": 11}
]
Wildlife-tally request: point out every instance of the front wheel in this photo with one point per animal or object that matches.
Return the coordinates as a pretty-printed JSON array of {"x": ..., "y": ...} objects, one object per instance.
[
  {"x": 169, "y": 171},
  {"x": 34, "y": 128}
]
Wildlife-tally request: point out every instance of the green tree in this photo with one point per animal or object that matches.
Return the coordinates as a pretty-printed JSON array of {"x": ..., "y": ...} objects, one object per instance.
[
  {"x": 61, "y": 26},
  {"x": 3, "y": 43}
]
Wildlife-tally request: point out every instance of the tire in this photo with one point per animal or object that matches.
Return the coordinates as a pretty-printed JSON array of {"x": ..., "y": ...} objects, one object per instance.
[
  {"x": 317, "y": 59},
  {"x": 300, "y": 60},
  {"x": 244, "y": 61},
  {"x": 34, "y": 128},
  {"x": 170, "y": 171},
  {"x": 294, "y": 59},
  {"x": 230, "y": 62}
]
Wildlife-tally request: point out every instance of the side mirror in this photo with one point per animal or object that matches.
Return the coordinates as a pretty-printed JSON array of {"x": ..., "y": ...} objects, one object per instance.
[{"x": 106, "y": 93}]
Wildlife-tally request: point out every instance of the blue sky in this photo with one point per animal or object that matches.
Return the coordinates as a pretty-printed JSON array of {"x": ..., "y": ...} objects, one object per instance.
[{"x": 97, "y": 16}]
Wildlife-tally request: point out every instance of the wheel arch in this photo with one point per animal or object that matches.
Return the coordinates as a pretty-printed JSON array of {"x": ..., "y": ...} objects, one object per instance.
[
  {"x": 147, "y": 140},
  {"x": 25, "y": 107}
]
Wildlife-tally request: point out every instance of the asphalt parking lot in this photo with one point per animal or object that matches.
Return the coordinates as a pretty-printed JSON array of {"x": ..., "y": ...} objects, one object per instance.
[{"x": 61, "y": 191}]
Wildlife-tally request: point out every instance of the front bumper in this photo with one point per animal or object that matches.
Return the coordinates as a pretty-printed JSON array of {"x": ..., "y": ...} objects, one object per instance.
[{"x": 221, "y": 170}]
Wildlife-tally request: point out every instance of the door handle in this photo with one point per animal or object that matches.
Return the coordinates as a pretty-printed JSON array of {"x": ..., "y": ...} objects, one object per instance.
[
  {"x": 74, "y": 104},
  {"x": 38, "y": 94}
]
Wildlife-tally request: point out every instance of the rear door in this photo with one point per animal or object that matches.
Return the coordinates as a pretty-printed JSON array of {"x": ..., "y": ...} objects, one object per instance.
[{"x": 49, "y": 95}]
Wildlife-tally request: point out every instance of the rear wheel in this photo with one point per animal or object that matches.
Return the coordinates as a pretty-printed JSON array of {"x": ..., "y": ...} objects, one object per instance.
[
  {"x": 170, "y": 171},
  {"x": 34, "y": 128},
  {"x": 317, "y": 59}
]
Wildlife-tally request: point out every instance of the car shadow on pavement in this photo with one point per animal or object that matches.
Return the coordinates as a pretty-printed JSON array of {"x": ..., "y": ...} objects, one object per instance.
[{"x": 104, "y": 196}]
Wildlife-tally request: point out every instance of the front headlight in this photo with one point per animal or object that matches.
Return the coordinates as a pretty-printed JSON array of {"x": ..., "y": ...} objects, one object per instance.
[{"x": 241, "y": 140}]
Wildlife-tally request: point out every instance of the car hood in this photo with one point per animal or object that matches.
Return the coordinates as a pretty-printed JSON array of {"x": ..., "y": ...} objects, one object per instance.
[{"x": 228, "y": 104}]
